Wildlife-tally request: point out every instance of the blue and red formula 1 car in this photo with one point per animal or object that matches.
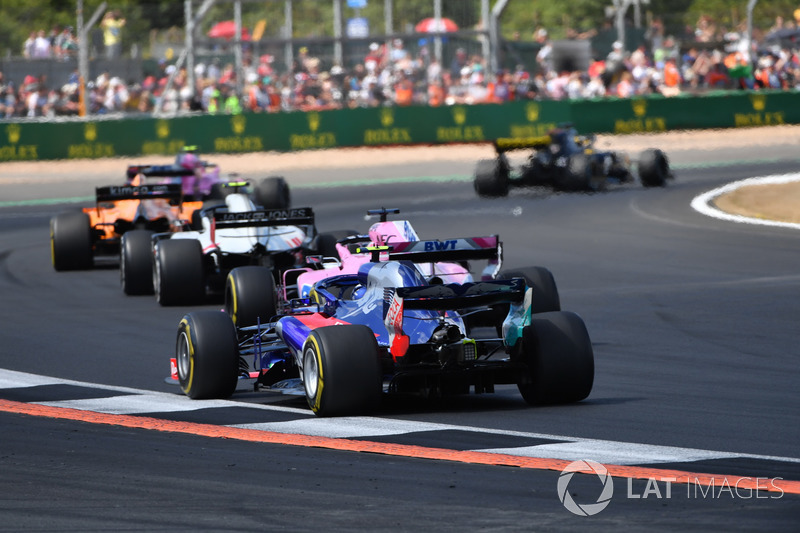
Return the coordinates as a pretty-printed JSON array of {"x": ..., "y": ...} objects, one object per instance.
[{"x": 387, "y": 329}]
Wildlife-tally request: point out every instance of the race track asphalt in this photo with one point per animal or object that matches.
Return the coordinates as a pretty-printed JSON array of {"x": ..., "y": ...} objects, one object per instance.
[{"x": 693, "y": 322}]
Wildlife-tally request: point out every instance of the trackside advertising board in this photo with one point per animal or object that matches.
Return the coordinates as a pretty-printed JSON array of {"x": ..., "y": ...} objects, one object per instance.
[{"x": 26, "y": 140}]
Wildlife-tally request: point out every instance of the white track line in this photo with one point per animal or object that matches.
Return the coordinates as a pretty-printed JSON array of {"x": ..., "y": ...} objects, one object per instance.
[
  {"x": 704, "y": 203},
  {"x": 135, "y": 401}
]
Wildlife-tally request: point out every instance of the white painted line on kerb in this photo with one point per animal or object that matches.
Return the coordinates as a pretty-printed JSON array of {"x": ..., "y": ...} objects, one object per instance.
[
  {"x": 704, "y": 203},
  {"x": 136, "y": 401}
]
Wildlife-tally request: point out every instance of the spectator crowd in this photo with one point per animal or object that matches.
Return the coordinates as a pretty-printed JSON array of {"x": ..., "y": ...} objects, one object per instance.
[{"x": 705, "y": 57}]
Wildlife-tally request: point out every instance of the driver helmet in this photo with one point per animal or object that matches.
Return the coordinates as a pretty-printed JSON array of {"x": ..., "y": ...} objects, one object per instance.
[{"x": 188, "y": 161}]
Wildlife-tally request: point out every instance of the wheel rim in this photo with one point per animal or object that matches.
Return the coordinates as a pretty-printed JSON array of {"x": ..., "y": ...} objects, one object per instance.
[
  {"x": 310, "y": 373},
  {"x": 122, "y": 269},
  {"x": 230, "y": 302},
  {"x": 184, "y": 357},
  {"x": 157, "y": 279}
]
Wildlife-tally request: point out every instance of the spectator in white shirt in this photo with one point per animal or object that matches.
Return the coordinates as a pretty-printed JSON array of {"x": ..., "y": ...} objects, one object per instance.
[{"x": 41, "y": 46}]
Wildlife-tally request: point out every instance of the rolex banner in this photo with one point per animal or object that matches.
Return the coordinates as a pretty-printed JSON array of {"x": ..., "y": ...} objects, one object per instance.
[{"x": 388, "y": 126}]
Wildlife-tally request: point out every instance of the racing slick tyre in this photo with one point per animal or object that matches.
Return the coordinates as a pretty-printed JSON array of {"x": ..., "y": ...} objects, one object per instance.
[
  {"x": 136, "y": 262},
  {"x": 545, "y": 291},
  {"x": 491, "y": 178},
  {"x": 653, "y": 168},
  {"x": 178, "y": 277},
  {"x": 325, "y": 243},
  {"x": 71, "y": 241},
  {"x": 250, "y": 295},
  {"x": 577, "y": 176},
  {"x": 207, "y": 355},
  {"x": 341, "y": 370},
  {"x": 273, "y": 193},
  {"x": 218, "y": 192},
  {"x": 196, "y": 221},
  {"x": 560, "y": 362}
]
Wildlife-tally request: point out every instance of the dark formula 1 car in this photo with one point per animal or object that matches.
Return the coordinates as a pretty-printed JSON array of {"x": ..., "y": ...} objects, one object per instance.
[
  {"x": 565, "y": 161},
  {"x": 386, "y": 329},
  {"x": 76, "y": 238}
]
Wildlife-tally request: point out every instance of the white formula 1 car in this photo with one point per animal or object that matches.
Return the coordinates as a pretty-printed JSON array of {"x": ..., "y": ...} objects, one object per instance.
[{"x": 180, "y": 266}]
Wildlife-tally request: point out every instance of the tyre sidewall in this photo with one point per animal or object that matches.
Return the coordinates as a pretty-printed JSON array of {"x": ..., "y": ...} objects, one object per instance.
[
  {"x": 250, "y": 295},
  {"x": 558, "y": 354},
  {"x": 348, "y": 379},
  {"x": 213, "y": 362},
  {"x": 71, "y": 241},
  {"x": 273, "y": 193},
  {"x": 136, "y": 262},
  {"x": 179, "y": 278}
]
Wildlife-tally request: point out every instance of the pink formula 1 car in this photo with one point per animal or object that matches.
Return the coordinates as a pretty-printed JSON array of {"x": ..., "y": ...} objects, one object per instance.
[
  {"x": 201, "y": 180},
  {"x": 344, "y": 252}
]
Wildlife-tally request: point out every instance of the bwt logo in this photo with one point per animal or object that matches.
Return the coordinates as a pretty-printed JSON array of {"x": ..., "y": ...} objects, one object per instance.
[{"x": 431, "y": 246}]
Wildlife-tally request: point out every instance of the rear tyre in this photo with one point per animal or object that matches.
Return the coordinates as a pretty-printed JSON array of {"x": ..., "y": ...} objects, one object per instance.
[
  {"x": 557, "y": 352},
  {"x": 71, "y": 241},
  {"x": 577, "y": 176},
  {"x": 491, "y": 178},
  {"x": 196, "y": 223},
  {"x": 341, "y": 370},
  {"x": 653, "y": 168},
  {"x": 178, "y": 277},
  {"x": 545, "y": 291},
  {"x": 207, "y": 355},
  {"x": 136, "y": 262},
  {"x": 218, "y": 192},
  {"x": 250, "y": 295},
  {"x": 273, "y": 193}
]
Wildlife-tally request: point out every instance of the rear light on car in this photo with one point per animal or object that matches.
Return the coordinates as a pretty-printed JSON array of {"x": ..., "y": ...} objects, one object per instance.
[{"x": 470, "y": 350}]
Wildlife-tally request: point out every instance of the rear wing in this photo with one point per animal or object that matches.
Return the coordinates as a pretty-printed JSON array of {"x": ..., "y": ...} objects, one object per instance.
[
  {"x": 166, "y": 171},
  {"x": 434, "y": 251},
  {"x": 462, "y": 295},
  {"x": 446, "y": 298},
  {"x": 508, "y": 144},
  {"x": 161, "y": 171},
  {"x": 139, "y": 192},
  {"x": 299, "y": 216}
]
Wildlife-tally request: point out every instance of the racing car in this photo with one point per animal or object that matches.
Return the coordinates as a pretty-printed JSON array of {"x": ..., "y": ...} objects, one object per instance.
[
  {"x": 565, "y": 161},
  {"x": 233, "y": 234},
  {"x": 386, "y": 329},
  {"x": 201, "y": 180},
  {"x": 76, "y": 238},
  {"x": 340, "y": 256}
]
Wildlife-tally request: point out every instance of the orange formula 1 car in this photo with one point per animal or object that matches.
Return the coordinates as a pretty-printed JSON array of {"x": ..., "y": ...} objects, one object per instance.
[{"x": 76, "y": 238}]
